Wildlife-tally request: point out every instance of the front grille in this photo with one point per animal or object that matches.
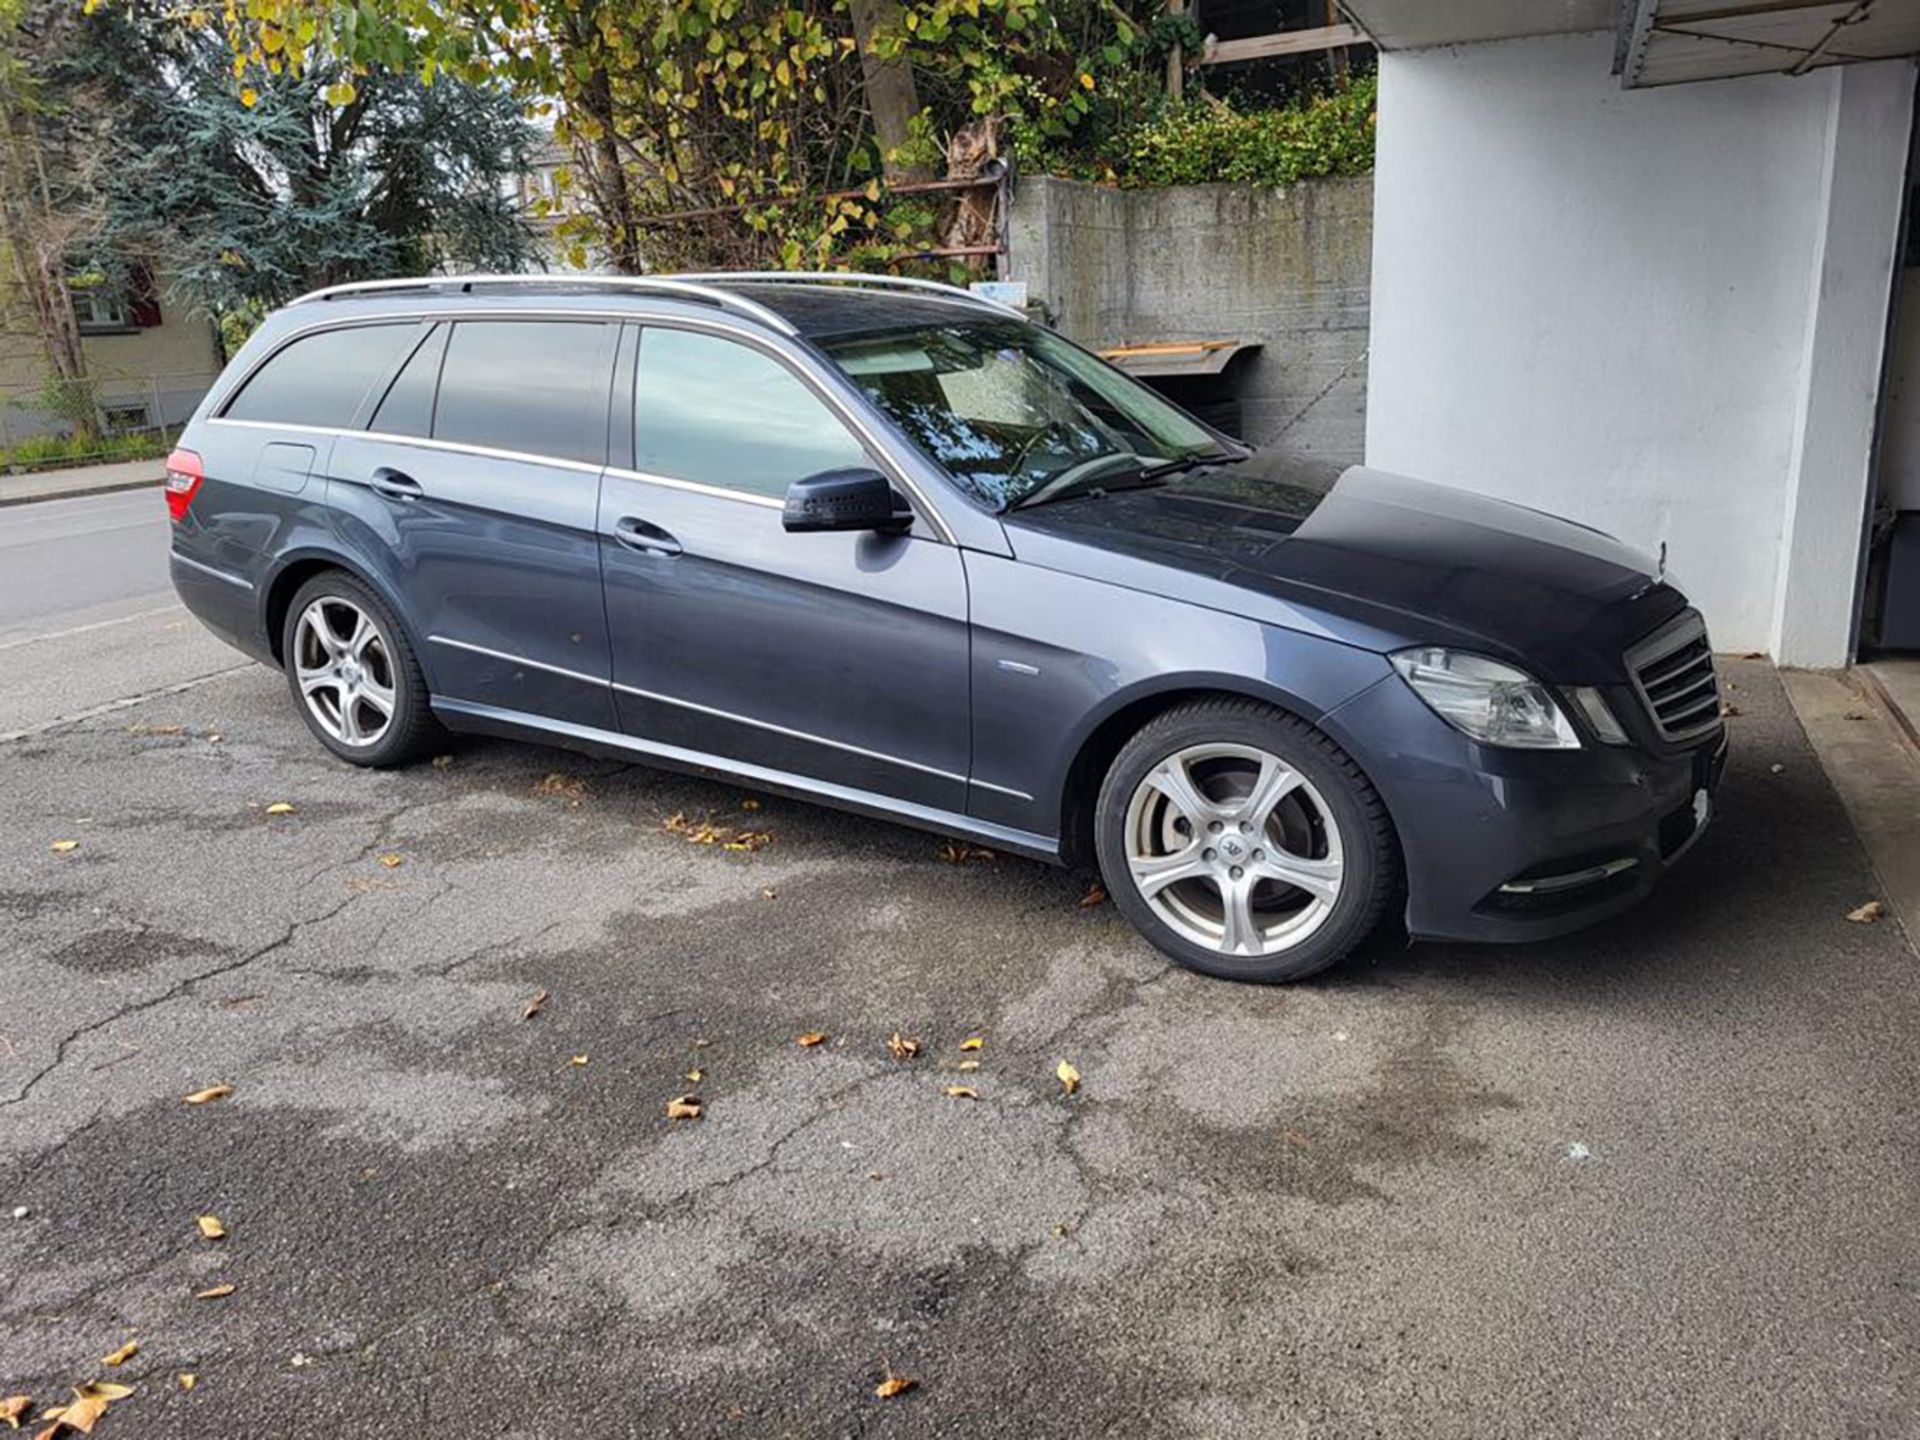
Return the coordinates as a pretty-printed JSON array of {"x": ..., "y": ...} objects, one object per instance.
[{"x": 1673, "y": 672}]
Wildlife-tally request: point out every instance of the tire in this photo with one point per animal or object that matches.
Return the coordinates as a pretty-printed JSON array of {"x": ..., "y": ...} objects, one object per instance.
[
  {"x": 342, "y": 682},
  {"x": 1210, "y": 813}
]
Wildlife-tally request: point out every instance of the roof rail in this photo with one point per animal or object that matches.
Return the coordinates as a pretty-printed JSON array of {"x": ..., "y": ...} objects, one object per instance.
[
  {"x": 845, "y": 277},
  {"x": 672, "y": 285}
]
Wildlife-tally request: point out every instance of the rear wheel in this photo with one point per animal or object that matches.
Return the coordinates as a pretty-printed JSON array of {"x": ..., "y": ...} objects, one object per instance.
[
  {"x": 1244, "y": 843},
  {"x": 353, "y": 675}
]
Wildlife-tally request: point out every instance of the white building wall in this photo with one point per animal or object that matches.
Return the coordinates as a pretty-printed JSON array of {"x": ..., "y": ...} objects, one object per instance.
[{"x": 1598, "y": 302}]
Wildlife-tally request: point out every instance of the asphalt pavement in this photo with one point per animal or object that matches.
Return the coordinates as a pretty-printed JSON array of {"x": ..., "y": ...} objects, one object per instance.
[{"x": 1654, "y": 1180}]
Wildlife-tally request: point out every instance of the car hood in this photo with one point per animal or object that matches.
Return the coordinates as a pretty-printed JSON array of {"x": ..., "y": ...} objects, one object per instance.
[{"x": 1366, "y": 557}]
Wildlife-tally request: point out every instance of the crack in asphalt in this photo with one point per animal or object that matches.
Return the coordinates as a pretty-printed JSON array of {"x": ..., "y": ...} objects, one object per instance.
[{"x": 172, "y": 992}]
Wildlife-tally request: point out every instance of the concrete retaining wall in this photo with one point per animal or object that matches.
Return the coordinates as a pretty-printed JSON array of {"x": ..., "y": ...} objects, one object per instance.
[{"x": 1289, "y": 268}]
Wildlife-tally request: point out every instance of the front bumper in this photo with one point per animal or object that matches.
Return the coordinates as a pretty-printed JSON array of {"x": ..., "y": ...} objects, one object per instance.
[{"x": 1515, "y": 845}]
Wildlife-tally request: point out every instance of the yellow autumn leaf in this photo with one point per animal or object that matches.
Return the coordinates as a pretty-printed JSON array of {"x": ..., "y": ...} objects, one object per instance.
[
  {"x": 694, "y": 1077},
  {"x": 684, "y": 1107},
  {"x": 534, "y": 1006},
  {"x": 894, "y": 1385},
  {"x": 89, "y": 1404},
  {"x": 810, "y": 1039},
  {"x": 1069, "y": 1077},
  {"x": 901, "y": 1048},
  {"x": 972, "y": 1042},
  {"x": 213, "y": 1292},
  {"x": 13, "y": 1407},
  {"x": 212, "y": 1092},
  {"x": 969, "y": 1065},
  {"x": 211, "y": 1227},
  {"x": 393, "y": 860},
  {"x": 1867, "y": 913},
  {"x": 960, "y": 1092},
  {"x": 280, "y": 807},
  {"x": 64, "y": 847},
  {"x": 578, "y": 1060},
  {"x": 187, "y": 1379},
  {"x": 125, "y": 1353}
]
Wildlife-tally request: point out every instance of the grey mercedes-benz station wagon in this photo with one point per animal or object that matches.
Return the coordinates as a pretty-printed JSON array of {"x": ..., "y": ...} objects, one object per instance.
[{"x": 885, "y": 545}]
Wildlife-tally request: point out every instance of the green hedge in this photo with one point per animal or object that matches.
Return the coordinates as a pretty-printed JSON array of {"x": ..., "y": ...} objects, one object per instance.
[{"x": 1207, "y": 140}]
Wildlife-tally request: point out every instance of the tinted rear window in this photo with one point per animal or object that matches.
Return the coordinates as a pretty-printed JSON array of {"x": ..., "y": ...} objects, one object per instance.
[
  {"x": 321, "y": 379},
  {"x": 537, "y": 386}
]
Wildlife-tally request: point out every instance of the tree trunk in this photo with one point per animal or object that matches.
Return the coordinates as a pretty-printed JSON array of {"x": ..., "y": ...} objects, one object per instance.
[{"x": 892, "y": 99}]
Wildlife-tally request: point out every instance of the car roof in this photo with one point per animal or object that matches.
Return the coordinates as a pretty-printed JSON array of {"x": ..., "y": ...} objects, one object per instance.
[{"x": 804, "y": 304}]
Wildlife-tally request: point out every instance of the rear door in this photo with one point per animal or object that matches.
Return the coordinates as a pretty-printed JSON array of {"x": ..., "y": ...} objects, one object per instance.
[
  {"x": 840, "y": 657},
  {"x": 474, "y": 492}
]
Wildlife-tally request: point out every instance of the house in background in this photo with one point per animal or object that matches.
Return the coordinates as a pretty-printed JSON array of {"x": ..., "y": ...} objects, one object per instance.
[
  {"x": 1640, "y": 264},
  {"x": 148, "y": 364}
]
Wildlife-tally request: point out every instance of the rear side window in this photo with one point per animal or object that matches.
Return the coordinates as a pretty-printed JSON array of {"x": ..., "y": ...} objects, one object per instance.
[
  {"x": 720, "y": 413},
  {"x": 321, "y": 379},
  {"x": 537, "y": 386},
  {"x": 407, "y": 407}
]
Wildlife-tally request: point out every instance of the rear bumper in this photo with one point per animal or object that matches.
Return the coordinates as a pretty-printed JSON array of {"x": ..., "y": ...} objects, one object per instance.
[
  {"x": 225, "y": 603},
  {"x": 1509, "y": 845}
]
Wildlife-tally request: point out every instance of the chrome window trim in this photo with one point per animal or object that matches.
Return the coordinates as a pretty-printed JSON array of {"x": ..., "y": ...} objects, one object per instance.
[
  {"x": 458, "y": 447},
  {"x": 717, "y": 492},
  {"x": 876, "y": 444},
  {"x": 790, "y": 733},
  {"x": 205, "y": 569}
]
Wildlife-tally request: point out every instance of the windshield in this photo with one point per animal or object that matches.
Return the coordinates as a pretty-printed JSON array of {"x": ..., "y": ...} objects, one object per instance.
[{"x": 1012, "y": 410}]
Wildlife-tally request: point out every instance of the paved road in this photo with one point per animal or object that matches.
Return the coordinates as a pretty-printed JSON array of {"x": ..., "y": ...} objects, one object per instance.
[
  {"x": 1657, "y": 1180},
  {"x": 87, "y": 614}
]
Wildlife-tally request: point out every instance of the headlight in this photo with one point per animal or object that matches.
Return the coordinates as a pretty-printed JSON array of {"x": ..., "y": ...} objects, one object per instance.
[{"x": 1494, "y": 703}]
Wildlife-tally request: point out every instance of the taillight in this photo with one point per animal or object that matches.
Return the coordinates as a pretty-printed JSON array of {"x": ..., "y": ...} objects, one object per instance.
[{"x": 184, "y": 474}]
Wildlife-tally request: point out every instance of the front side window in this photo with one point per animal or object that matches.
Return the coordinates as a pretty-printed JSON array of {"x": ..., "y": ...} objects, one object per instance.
[
  {"x": 321, "y": 379},
  {"x": 538, "y": 387},
  {"x": 720, "y": 413},
  {"x": 1013, "y": 411}
]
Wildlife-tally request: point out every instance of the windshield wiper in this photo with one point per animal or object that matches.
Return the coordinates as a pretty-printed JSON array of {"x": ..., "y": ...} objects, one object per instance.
[
  {"x": 1167, "y": 469},
  {"x": 1083, "y": 479}
]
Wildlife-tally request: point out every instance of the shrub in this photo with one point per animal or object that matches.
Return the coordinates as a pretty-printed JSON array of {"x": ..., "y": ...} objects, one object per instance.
[{"x": 1207, "y": 140}]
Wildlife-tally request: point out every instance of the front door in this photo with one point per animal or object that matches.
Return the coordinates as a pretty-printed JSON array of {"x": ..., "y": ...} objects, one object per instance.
[
  {"x": 474, "y": 492},
  {"x": 838, "y": 657}
]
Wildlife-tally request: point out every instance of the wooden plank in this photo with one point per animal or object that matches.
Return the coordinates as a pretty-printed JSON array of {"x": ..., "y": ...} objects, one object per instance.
[{"x": 1287, "y": 42}]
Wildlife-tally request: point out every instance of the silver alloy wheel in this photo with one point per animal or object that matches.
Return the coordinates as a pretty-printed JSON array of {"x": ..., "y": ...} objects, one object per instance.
[
  {"x": 1234, "y": 849},
  {"x": 345, "y": 671}
]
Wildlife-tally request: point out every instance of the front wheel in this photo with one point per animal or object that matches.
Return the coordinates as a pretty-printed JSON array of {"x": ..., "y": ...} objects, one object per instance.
[{"x": 1243, "y": 843}]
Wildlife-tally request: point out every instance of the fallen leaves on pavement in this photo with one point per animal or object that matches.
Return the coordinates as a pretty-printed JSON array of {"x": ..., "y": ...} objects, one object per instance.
[
  {"x": 187, "y": 1379},
  {"x": 144, "y": 729},
  {"x": 972, "y": 1042},
  {"x": 125, "y": 1353},
  {"x": 1068, "y": 1075},
  {"x": 562, "y": 786},
  {"x": 578, "y": 1060},
  {"x": 960, "y": 1092},
  {"x": 64, "y": 847},
  {"x": 534, "y": 1006},
  {"x": 969, "y": 1065},
  {"x": 708, "y": 831},
  {"x": 442, "y": 762},
  {"x": 280, "y": 807},
  {"x": 894, "y": 1385},
  {"x": 694, "y": 1077},
  {"x": 1096, "y": 895},
  {"x": 393, "y": 860},
  {"x": 206, "y": 1096},
  {"x": 901, "y": 1048},
  {"x": 684, "y": 1107},
  {"x": 211, "y": 1227},
  {"x": 13, "y": 1407},
  {"x": 90, "y": 1402},
  {"x": 955, "y": 852},
  {"x": 810, "y": 1039},
  {"x": 214, "y": 1292},
  {"x": 1867, "y": 913}
]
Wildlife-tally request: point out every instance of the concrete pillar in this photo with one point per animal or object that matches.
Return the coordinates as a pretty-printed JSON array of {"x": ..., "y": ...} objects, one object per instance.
[{"x": 1822, "y": 547}]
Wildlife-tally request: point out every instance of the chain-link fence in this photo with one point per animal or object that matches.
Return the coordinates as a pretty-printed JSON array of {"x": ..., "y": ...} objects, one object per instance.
[{"x": 90, "y": 421}]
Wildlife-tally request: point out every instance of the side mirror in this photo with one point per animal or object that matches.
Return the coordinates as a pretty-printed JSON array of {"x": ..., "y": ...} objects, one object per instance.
[{"x": 852, "y": 499}]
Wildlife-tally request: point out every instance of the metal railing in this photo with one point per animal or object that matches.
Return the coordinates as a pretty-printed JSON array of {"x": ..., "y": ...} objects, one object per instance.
[{"x": 95, "y": 420}]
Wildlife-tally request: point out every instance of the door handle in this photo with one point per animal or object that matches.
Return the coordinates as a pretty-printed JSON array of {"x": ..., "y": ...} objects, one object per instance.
[
  {"x": 649, "y": 539},
  {"x": 395, "y": 484}
]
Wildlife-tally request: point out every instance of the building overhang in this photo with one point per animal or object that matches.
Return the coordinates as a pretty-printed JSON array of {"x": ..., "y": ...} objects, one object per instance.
[{"x": 1665, "y": 42}]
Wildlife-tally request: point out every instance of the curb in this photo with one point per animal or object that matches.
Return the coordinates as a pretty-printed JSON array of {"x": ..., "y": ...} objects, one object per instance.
[{"x": 115, "y": 488}]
